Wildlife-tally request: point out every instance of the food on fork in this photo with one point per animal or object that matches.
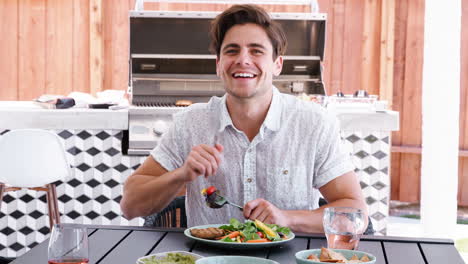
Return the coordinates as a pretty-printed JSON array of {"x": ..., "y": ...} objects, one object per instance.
[{"x": 213, "y": 200}]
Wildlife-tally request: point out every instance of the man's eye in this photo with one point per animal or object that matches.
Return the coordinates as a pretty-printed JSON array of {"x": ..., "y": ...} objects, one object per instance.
[
  {"x": 230, "y": 51},
  {"x": 257, "y": 52}
]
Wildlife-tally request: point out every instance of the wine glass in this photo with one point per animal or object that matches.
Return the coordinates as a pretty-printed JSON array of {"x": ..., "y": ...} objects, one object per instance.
[
  {"x": 68, "y": 244},
  {"x": 343, "y": 227}
]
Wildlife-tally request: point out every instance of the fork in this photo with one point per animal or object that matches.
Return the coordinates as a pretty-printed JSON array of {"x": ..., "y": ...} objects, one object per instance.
[{"x": 219, "y": 201}]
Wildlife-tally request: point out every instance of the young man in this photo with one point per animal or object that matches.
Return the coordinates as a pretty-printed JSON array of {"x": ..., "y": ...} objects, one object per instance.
[{"x": 266, "y": 150}]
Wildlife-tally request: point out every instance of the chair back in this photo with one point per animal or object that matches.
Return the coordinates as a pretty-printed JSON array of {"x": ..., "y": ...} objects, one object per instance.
[
  {"x": 32, "y": 158},
  {"x": 173, "y": 215}
]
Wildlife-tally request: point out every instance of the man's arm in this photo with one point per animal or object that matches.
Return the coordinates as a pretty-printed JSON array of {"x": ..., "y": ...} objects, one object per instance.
[
  {"x": 343, "y": 191},
  {"x": 151, "y": 187},
  {"x": 146, "y": 190}
]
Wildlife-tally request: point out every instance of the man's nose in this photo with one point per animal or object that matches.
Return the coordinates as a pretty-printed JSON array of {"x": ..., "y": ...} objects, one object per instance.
[{"x": 243, "y": 58}]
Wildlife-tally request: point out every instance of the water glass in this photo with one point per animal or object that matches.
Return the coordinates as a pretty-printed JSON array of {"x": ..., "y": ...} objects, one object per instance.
[
  {"x": 68, "y": 244},
  {"x": 343, "y": 227}
]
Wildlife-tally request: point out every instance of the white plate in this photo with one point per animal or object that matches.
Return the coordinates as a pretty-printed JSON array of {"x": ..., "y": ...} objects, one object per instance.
[
  {"x": 234, "y": 244},
  {"x": 164, "y": 254}
]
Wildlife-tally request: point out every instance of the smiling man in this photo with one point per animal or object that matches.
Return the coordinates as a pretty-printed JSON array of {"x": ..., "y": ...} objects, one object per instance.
[{"x": 266, "y": 150}]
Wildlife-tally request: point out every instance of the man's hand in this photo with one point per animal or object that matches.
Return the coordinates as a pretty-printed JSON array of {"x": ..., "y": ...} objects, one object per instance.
[
  {"x": 266, "y": 212},
  {"x": 202, "y": 160}
]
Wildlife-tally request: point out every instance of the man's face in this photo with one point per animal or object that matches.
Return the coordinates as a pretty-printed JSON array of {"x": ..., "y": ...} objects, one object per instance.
[{"x": 245, "y": 62}]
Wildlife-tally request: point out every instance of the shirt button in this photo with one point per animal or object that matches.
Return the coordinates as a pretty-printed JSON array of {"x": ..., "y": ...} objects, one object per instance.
[
  {"x": 249, "y": 180},
  {"x": 285, "y": 172}
]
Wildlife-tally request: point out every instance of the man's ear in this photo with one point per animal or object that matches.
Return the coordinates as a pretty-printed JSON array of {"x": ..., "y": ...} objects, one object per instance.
[{"x": 278, "y": 66}]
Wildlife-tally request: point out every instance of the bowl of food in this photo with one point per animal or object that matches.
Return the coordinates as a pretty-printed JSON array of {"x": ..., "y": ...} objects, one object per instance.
[
  {"x": 172, "y": 257},
  {"x": 234, "y": 260},
  {"x": 325, "y": 255}
]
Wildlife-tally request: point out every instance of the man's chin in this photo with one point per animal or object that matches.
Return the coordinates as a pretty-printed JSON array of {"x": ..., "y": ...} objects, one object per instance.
[{"x": 241, "y": 94}]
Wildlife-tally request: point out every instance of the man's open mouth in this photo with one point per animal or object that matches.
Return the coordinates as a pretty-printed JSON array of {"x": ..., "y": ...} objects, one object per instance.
[{"x": 244, "y": 75}]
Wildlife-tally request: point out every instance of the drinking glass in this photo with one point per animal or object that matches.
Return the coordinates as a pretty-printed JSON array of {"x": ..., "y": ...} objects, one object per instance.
[
  {"x": 68, "y": 244},
  {"x": 343, "y": 227}
]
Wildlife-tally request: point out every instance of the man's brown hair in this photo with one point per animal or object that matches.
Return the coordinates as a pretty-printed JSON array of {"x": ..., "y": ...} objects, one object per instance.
[{"x": 243, "y": 14}]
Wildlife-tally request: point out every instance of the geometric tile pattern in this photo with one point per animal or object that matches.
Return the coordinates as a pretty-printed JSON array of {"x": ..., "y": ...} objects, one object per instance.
[
  {"x": 370, "y": 152},
  {"x": 90, "y": 196}
]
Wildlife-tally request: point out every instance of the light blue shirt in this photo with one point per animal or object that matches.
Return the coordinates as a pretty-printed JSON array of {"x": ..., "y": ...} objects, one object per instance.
[{"x": 297, "y": 150}]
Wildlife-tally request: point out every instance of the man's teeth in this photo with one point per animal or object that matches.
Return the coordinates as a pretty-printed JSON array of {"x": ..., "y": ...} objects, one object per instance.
[{"x": 244, "y": 75}]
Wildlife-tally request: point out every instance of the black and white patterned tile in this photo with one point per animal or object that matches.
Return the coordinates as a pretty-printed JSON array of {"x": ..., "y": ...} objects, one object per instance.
[{"x": 371, "y": 155}]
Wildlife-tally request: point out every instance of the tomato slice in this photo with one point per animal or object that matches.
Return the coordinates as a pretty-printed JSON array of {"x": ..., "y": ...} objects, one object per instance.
[
  {"x": 210, "y": 190},
  {"x": 260, "y": 234}
]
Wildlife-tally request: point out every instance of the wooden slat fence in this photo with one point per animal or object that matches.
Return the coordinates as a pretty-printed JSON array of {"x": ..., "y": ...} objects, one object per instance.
[{"x": 60, "y": 46}]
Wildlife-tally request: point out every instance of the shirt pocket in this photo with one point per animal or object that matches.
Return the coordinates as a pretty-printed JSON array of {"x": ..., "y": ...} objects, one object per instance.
[{"x": 288, "y": 187}]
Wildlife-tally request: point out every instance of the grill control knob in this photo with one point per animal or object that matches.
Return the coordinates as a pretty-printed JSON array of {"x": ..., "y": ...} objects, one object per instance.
[{"x": 160, "y": 127}]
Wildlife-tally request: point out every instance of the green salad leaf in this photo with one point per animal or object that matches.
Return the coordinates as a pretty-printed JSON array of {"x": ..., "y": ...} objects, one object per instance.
[{"x": 249, "y": 230}]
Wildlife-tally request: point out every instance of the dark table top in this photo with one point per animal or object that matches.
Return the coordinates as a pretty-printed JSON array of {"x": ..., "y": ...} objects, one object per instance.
[{"x": 124, "y": 244}]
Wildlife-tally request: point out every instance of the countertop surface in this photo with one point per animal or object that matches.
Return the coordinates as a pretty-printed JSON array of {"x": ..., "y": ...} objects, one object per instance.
[{"x": 26, "y": 114}]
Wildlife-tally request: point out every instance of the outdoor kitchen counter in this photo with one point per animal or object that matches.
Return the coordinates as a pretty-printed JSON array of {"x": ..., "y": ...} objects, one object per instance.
[{"x": 26, "y": 114}]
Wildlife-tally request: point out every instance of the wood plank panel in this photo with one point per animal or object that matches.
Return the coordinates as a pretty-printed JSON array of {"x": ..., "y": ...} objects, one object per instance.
[
  {"x": 116, "y": 30},
  {"x": 336, "y": 59},
  {"x": 463, "y": 162},
  {"x": 370, "y": 61},
  {"x": 354, "y": 26},
  {"x": 387, "y": 51},
  {"x": 31, "y": 49},
  {"x": 59, "y": 47},
  {"x": 80, "y": 61},
  {"x": 412, "y": 107},
  {"x": 401, "y": 18},
  {"x": 326, "y": 6},
  {"x": 9, "y": 50},
  {"x": 96, "y": 47}
]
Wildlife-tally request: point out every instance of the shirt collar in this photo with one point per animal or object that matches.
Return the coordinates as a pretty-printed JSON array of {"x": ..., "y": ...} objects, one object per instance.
[
  {"x": 225, "y": 118},
  {"x": 272, "y": 120}
]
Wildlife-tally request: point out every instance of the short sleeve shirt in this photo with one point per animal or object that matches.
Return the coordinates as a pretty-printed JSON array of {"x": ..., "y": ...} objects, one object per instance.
[{"x": 297, "y": 150}]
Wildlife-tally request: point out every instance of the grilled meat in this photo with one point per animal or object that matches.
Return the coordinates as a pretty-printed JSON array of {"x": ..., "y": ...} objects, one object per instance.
[{"x": 207, "y": 233}]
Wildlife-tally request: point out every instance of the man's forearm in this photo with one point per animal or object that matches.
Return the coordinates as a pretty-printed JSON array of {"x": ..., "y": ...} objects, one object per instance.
[
  {"x": 311, "y": 221},
  {"x": 144, "y": 195}
]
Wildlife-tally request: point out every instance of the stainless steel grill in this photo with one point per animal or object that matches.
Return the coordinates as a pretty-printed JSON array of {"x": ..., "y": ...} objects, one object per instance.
[
  {"x": 156, "y": 104},
  {"x": 170, "y": 61}
]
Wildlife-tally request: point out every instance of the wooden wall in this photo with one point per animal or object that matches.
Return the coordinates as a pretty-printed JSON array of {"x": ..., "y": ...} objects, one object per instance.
[{"x": 59, "y": 46}]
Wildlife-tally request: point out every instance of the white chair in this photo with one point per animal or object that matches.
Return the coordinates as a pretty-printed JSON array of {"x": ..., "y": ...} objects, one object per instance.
[{"x": 33, "y": 159}]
